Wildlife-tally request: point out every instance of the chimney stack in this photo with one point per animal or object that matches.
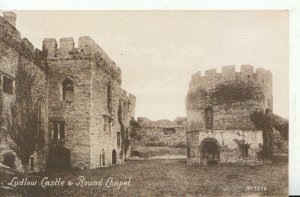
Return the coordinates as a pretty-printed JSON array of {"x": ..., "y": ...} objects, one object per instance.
[{"x": 10, "y": 17}]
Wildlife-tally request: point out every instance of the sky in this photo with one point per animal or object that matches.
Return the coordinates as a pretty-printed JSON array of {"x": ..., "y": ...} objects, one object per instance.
[{"x": 158, "y": 51}]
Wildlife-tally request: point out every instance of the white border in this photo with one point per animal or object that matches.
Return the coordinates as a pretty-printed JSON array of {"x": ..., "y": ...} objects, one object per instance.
[
  {"x": 291, "y": 5},
  {"x": 143, "y": 4}
]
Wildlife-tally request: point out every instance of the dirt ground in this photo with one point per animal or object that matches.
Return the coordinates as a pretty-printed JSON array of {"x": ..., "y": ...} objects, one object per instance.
[{"x": 170, "y": 178}]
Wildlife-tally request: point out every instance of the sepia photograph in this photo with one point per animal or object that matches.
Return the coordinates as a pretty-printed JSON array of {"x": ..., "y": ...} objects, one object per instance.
[{"x": 144, "y": 103}]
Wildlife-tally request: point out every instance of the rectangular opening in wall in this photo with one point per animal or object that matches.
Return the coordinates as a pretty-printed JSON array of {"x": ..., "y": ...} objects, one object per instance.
[
  {"x": 107, "y": 124},
  {"x": 7, "y": 85},
  {"x": 55, "y": 130},
  {"x": 58, "y": 130},
  {"x": 244, "y": 150},
  {"x": 62, "y": 129},
  {"x": 32, "y": 163}
]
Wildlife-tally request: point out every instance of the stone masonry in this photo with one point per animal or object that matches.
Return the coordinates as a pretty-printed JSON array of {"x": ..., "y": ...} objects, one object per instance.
[
  {"x": 159, "y": 139},
  {"x": 219, "y": 107},
  {"x": 85, "y": 112}
]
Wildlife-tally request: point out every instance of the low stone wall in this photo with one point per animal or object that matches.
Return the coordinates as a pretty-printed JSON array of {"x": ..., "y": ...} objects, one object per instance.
[{"x": 158, "y": 139}]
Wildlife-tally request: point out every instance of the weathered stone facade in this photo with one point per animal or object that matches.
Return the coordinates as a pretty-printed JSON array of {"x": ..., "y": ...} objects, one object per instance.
[
  {"x": 15, "y": 52},
  {"x": 159, "y": 139},
  {"x": 82, "y": 100},
  {"x": 219, "y": 108}
]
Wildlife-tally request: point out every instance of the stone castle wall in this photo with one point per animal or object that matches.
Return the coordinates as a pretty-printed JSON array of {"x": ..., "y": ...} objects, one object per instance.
[
  {"x": 232, "y": 97},
  {"x": 159, "y": 139},
  {"x": 90, "y": 69},
  {"x": 230, "y": 94},
  {"x": 76, "y": 115},
  {"x": 16, "y": 51},
  {"x": 127, "y": 116}
]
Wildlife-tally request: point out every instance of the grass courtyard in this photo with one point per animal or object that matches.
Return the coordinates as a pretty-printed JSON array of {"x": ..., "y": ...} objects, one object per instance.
[{"x": 171, "y": 178}]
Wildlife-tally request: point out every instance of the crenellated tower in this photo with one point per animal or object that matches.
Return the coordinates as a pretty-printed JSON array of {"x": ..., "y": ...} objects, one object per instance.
[
  {"x": 221, "y": 104},
  {"x": 84, "y": 97}
]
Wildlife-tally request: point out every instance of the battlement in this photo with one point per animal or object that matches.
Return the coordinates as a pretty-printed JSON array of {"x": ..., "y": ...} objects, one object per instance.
[
  {"x": 66, "y": 44},
  {"x": 229, "y": 72},
  {"x": 49, "y": 44},
  {"x": 132, "y": 99},
  {"x": 87, "y": 49},
  {"x": 128, "y": 97},
  {"x": 211, "y": 77}
]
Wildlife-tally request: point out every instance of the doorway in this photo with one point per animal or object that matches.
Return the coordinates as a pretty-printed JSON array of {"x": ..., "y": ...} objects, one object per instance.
[
  {"x": 210, "y": 151},
  {"x": 114, "y": 157},
  {"x": 59, "y": 159}
]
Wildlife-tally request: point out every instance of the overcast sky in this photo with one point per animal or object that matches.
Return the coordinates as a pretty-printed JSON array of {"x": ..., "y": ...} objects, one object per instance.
[{"x": 158, "y": 51}]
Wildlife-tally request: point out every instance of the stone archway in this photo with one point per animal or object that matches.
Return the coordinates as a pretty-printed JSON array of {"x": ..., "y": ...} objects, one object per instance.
[
  {"x": 114, "y": 157},
  {"x": 210, "y": 151}
]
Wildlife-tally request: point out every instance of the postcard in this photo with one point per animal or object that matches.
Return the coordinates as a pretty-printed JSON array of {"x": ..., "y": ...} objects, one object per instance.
[{"x": 144, "y": 103}]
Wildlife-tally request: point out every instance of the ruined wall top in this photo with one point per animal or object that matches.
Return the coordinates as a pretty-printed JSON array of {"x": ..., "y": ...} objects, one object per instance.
[
  {"x": 12, "y": 37},
  {"x": 87, "y": 49},
  {"x": 130, "y": 98}
]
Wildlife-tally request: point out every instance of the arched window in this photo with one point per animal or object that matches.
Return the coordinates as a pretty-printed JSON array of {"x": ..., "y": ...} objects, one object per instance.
[
  {"x": 68, "y": 90},
  {"x": 208, "y": 118},
  {"x": 109, "y": 97}
]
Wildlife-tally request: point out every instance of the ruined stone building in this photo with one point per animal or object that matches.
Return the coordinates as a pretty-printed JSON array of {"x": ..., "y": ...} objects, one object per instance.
[
  {"x": 219, "y": 114},
  {"x": 159, "y": 139},
  {"x": 83, "y": 114}
]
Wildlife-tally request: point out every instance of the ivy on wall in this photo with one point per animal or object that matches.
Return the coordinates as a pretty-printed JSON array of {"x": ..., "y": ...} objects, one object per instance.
[
  {"x": 23, "y": 128},
  {"x": 225, "y": 94},
  {"x": 236, "y": 92},
  {"x": 264, "y": 121},
  {"x": 2, "y": 119}
]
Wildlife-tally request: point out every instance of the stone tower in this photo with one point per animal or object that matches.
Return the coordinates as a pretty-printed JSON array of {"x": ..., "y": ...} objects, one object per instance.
[
  {"x": 85, "y": 97},
  {"x": 219, "y": 107}
]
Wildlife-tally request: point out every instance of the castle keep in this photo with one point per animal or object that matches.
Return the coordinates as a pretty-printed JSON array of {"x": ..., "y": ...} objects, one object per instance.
[
  {"x": 219, "y": 108},
  {"x": 83, "y": 113}
]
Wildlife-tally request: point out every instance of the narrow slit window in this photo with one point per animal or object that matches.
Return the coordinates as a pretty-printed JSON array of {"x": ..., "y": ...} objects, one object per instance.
[
  {"x": 118, "y": 139},
  {"x": 40, "y": 119}
]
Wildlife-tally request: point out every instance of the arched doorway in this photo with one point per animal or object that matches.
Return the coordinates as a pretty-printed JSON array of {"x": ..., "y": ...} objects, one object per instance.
[
  {"x": 114, "y": 157},
  {"x": 209, "y": 150},
  {"x": 9, "y": 160},
  {"x": 59, "y": 159}
]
